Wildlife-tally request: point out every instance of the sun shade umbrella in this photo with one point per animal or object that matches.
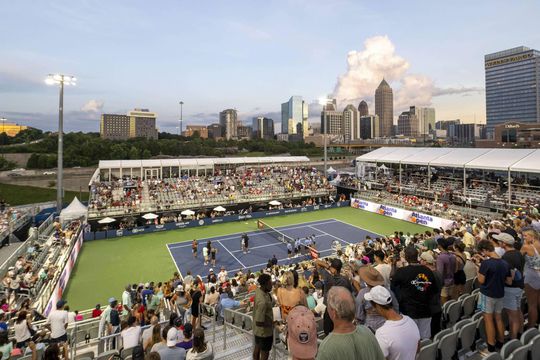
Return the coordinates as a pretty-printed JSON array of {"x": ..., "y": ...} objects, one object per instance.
[
  {"x": 188, "y": 212},
  {"x": 220, "y": 208},
  {"x": 106, "y": 220},
  {"x": 150, "y": 216},
  {"x": 274, "y": 203}
]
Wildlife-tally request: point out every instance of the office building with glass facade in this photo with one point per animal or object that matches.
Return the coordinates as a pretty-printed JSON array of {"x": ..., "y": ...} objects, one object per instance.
[
  {"x": 294, "y": 116},
  {"x": 512, "y": 87}
]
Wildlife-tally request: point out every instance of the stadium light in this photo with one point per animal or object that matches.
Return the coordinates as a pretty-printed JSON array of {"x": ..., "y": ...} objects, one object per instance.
[
  {"x": 61, "y": 80},
  {"x": 3, "y": 120}
]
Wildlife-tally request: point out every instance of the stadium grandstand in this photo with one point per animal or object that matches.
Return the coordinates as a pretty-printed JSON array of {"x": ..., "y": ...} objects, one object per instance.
[{"x": 421, "y": 253}]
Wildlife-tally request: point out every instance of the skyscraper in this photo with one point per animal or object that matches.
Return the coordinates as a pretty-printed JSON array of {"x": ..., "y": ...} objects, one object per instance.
[
  {"x": 294, "y": 112},
  {"x": 512, "y": 87},
  {"x": 369, "y": 127},
  {"x": 363, "y": 108},
  {"x": 408, "y": 124},
  {"x": 351, "y": 123},
  {"x": 331, "y": 119},
  {"x": 263, "y": 128},
  {"x": 228, "y": 119},
  {"x": 384, "y": 107},
  {"x": 137, "y": 123},
  {"x": 425, "y": 117}
]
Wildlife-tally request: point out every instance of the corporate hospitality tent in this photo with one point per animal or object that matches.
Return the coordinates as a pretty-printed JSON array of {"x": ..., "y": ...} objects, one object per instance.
[
  {"x": 75, "y": 210},
  {"x": 507, "y": 160}
]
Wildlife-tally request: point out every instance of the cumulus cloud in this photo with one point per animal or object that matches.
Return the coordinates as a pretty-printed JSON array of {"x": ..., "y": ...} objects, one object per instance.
[
  {"x": 377, "y": 60},
  {"x": 93, "y": 106}
]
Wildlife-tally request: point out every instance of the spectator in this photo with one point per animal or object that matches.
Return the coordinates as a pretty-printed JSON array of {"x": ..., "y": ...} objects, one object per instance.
[
  {"x": 196, "y": 296},
  {"x": 531, "y": 251},
  {"x": 229, "y": 302},
  {"x": 162, "y": 344},
  {"x": 492, "y": 276},
  {"x": 58, "y": 322},
  {"x": 446, "y": 266},
  {"x": 365, "y": 312},
  {"x": 330, "y": 273},
  {"x": 110, "y": 318},
  {"x": 398, "y": 337},
  {"x": 155, "y": 338},
  {"x": 132, "y": 334},
  {"x": 187, "y": 342},
  {"x": 415, "y": 287},
  {"x": 97, "y": 311},
  {"x": 428, "y": 261},
  {"x": 22, "y": 332},
  {"x": 3, "y": 323},
  {"x": 310, "y": 300},
  {"x": 170, "y": 351},
  {"x": 263, "y": 318},
  {"x": 147, "y": 333},
  {"x": 78, "y": 317},
  {"x": 514, "y": 291},
  {"x": 126, "y": 298},
  {"x": 6, "y": 346},
  {"x": 289, "y": 296},
  {"x": 460, "y": 279},
  {"x": 301, "y": 334},
  {"x": 212, "y": 297},
  {"x": 346, "y": 341},
  {"x": 201, "y": 350},
  {"x": 382, "y": 267}
]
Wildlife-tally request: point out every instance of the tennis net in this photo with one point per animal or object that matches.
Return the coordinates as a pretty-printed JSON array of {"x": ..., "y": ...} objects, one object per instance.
[{"x": 276, "y": 234}]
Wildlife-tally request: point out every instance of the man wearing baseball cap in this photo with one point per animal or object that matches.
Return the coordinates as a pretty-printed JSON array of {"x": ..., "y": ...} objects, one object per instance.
[
  {"x": 171, "y": 352},
  {"x": 399, "y": 336},
  {"x": 58, "y": 322},
  {"x": 514, "y": 291},
  {"x": 302, "y": 333}
]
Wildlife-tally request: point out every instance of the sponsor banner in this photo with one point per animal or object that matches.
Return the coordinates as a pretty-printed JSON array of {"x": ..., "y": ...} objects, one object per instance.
[
  {"x": 402, "y": 214},
  {"x": 98, "y": 235},
  {"x": 64, "y": 277}
]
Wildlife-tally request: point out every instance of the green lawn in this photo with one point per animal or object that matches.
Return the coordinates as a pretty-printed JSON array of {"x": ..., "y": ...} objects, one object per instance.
[
  {"x": 104, "y": 267},
  {"x": 22, "y": 195}
]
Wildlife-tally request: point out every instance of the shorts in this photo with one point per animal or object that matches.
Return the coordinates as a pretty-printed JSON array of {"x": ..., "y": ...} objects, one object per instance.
[
  {"x": 264, "y": 343},
  {"x": 446, "y": 291},
  {"x": 490, "y": 305},
  {"x": 59, "y": 339},
  {"x": 194, "y": 250},
  {"x": 424, "y": 327},
  {"x": 512, "y": 298}
]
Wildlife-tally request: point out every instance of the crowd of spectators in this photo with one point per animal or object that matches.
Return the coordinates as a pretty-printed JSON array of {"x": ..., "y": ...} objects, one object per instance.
[
  {"x": 376, "y": 298},
  {"x": 223, "y": 187}
]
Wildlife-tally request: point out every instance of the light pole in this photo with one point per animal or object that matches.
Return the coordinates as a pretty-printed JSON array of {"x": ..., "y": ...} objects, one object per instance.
[
  {"x": 3, "y": 120},
  {"x": 60, "y": 79},
  {"x": 324, "y": 102},
  {"x": 181, "y": 106}
]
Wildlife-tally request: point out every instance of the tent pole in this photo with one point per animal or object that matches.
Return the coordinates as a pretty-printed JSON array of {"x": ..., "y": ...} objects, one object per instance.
[
  {"x": 509, "y": 188},
  {"x": 429, "y": 177},
  {"x": 400, "y": 178},
  {"x": 464, "y": 181}
]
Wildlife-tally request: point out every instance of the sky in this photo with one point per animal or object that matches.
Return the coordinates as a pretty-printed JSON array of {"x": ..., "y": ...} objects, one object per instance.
[{"x": 249, "y": 55}]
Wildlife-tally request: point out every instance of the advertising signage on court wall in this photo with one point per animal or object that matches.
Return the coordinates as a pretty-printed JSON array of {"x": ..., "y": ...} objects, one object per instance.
[
  {"x": 402, "y": 214},
  {"x": 207, "y": 221}
]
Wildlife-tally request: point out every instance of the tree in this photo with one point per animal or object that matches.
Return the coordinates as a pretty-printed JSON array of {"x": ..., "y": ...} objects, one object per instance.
[{"x": 134, "y": 153}]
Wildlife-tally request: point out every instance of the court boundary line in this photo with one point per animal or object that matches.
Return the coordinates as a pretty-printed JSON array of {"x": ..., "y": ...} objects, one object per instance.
[
  {"x": 175, "y": 264},
  {"x": 230, "y": 253},
  {"x": 327, "y": 234},
  {"x": 255, "y": 232}
]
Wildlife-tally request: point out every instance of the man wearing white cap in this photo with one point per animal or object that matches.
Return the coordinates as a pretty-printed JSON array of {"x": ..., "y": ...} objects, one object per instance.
[
  {"x": 171, "y": 352},
  {"x": 399, "y": 336}
]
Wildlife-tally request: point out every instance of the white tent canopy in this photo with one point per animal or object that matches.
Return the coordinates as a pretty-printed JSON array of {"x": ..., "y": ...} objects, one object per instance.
[
  {"x": 75, "y": 210},
  {"x": 522, "y": 160},
  {"x": 331, "y": 170}
]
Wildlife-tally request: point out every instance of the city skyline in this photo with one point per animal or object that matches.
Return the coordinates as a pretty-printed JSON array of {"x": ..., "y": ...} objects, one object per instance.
[{"x": 130, "y": 55}]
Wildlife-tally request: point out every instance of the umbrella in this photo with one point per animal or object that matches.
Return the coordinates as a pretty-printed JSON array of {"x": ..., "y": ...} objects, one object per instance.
[
  {"x": 106, "y": 220},
  {"x": 150, "y": 216},
  {"x": 188, "y": 212},
  {"x": 274, "y": 203},
  {"x": 220, "y": 208}
]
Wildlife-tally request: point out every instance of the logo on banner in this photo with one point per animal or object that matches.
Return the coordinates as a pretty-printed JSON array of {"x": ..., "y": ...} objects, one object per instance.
[
  {"x": 387, "y": 210},
  {"x": 303, "y": 209},
  {"x": 201, "y": 222},
  {"x": 119, "y": 232},
  {"x": 213, "y": 221},
  {"x": 421, "y": 219}
]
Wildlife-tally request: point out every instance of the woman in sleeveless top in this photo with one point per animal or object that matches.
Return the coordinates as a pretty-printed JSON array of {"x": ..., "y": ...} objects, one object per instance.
[
  {"x": 289, "y": 296},
  {"x": 531, "y": 274}
]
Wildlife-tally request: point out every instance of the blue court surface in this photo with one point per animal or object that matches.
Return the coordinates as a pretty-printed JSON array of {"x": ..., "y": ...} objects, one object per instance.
[{"x": 263, "y": 246}]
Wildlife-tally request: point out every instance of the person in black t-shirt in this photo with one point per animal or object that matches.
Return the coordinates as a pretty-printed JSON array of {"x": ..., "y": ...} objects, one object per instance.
[
  {"x": 330, "y": 273},
  {"x": 195, "y": 301},
  {"x": 514, "y": 291},
  {"x": 415, "y": 285}
]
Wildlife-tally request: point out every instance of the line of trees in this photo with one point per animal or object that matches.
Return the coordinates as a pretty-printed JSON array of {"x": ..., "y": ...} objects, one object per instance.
[{"x": 86, "y": 149}]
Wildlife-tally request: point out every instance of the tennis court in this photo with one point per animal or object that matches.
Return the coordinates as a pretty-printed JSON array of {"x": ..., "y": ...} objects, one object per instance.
[{"x": 263, "y": 245}]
